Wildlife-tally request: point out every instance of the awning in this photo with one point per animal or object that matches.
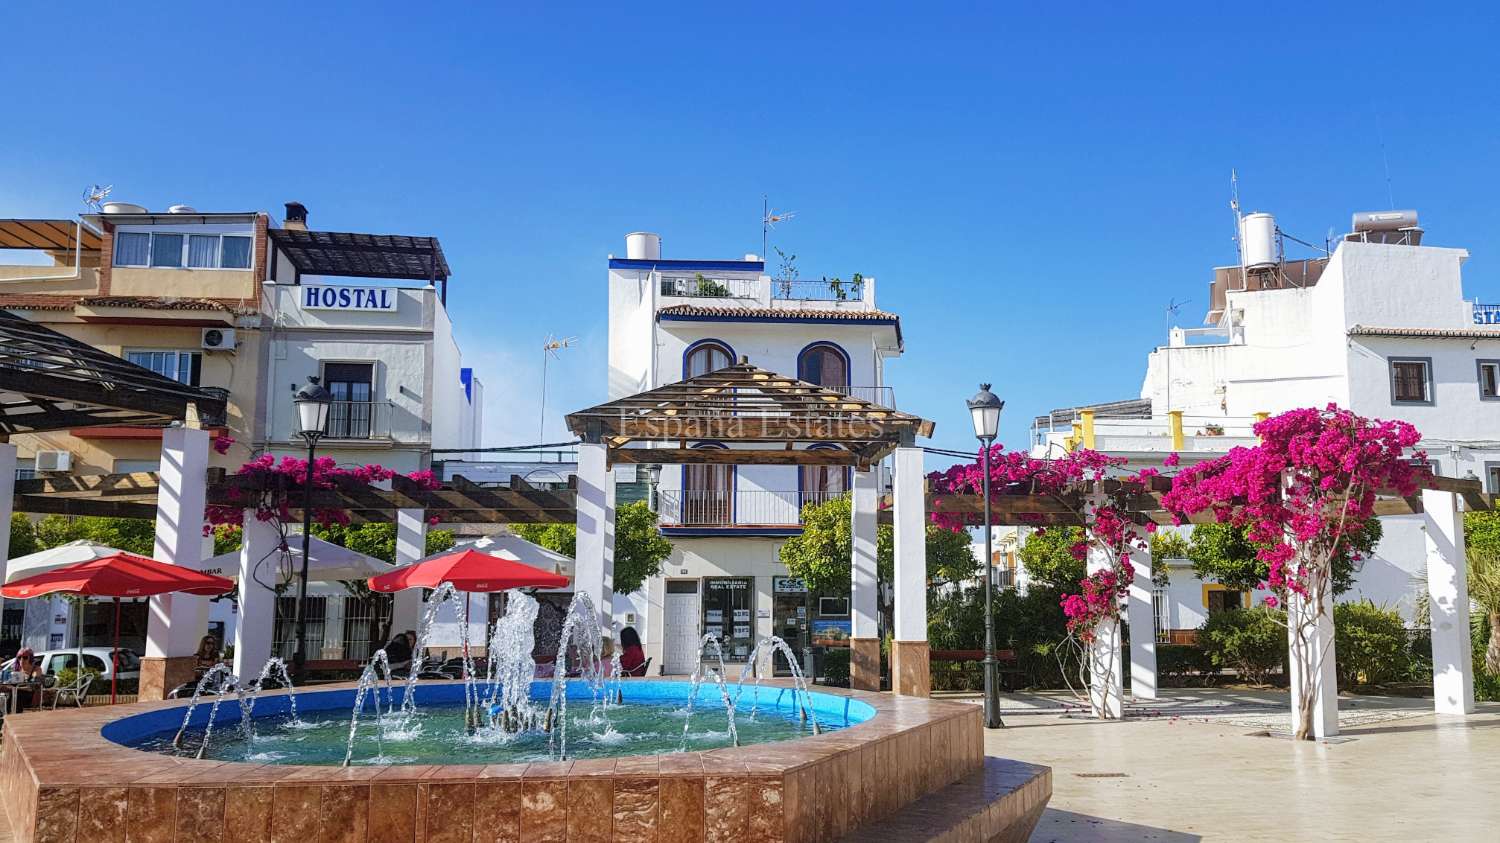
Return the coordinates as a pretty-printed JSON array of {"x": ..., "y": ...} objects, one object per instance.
[{"x": 47, "y": 235}]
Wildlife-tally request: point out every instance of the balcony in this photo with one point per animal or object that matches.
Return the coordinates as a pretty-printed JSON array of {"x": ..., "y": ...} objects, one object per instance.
[
  {"x": 715, "y": 508},
  {"x": 723, "y": 289},
  {"x": 1486, "y": 314},
  {"x": 827, "y": 289},
  {"x": 700, "y": 286},
  {"x": 373, "y": 422}
]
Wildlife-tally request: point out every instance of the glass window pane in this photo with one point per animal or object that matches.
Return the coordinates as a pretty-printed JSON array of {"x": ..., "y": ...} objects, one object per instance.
[
  {"x": 705, "y": 359},
  {"x": 1409, "y": 380},
  {"x": 236, "y": 253},
  {"x": 166, "y": 250},
  {"x": 203, "y": 250},
  {"x": 132, "y": 249},
  {"x": 1489, "y": 380}
]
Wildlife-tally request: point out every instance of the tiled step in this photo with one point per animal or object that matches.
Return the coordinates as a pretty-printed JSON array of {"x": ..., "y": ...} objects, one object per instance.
[{"x": 999, "y": 804}]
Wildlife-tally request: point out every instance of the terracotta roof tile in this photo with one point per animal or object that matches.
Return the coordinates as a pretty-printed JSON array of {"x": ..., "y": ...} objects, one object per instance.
[
  {"x": 37, "y": 301},
  {"x": 150, "y": 303},
  {"x": 777, "y": 313},
  {"x": 1431, "y": 333}
]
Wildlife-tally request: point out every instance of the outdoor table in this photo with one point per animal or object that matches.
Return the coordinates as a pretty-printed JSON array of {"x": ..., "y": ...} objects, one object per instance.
[{"x": 12, "y": 691}]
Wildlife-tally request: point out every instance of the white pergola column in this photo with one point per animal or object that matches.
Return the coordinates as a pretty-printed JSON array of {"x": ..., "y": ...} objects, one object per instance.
[
  {"x": 1106, "y": 681},
  {"x": 911, "y": 673},
  {"x": 864, "y": 599},
  {"x": 1317, "y": 640},
  {"x": 1141, "y": 614},
  {"x": 7, "y": 503},
  {"x": 593, "y": 569},
  {"x": 177, "y": 621},
  {"x": 260, "y": 565},
  {"x": 1448, "y": 600},
  {"x": 411, "y": 545}
]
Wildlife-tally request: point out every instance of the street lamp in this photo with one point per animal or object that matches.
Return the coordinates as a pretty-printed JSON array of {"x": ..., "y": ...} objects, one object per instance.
[
  {"x": 313, "y": 403},
  {"x": 653, "y": 477},
  {"x": 984, "y": 409}
]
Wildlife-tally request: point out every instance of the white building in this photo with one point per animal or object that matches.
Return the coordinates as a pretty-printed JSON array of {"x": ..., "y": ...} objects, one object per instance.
[
  {"x": 1381, "y": 326},
  {"x": 384, "y": 347},
  {"x": 670, "y": 319}
]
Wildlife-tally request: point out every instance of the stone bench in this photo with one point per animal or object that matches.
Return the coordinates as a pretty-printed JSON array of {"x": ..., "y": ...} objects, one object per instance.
[{"x": 1000, "y": 804}]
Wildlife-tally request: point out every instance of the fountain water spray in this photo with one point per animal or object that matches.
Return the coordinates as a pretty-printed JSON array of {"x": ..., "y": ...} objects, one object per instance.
[
  {"x": 222, "y": 680},
  {"x": 511, "y": 667},
  {"x": 699, "y": 674},
  {"x": 369, "y": 679},
  {"x": 582, "y": 633}
]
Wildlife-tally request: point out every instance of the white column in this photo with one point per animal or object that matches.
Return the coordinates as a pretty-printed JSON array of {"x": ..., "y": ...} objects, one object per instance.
[
  {"x": 178, "y": 621},
  {"x": 910, "y": 518},
  {"x": 864, "y": 602},
  {"x": 1316, "y": 639},
  {"x": 1106, "y": 681},
  {"x": 1448, "y": 599},
  {"x": 411, "y": 545},
  {"x": 7, "y": 502},
  {"x": 1142, "y": 618},
  {"x": 594, "y": 566},
  {"x": 260, "y": 565},
  {"x": 607, "y": 595}
]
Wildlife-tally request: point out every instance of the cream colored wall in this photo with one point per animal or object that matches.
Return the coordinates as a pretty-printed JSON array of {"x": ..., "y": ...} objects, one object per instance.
[
  {"x": 236, "y": 371},
  {"x": 183, "y": 283},
  {"x": 86, "y": 284}
]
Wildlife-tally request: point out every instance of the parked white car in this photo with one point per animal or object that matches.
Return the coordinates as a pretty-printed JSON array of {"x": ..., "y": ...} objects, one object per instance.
[{"x": 98, "y": 659}]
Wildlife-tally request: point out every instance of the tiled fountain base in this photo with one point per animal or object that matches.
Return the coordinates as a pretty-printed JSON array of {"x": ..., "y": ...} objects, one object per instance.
[{"x": 61, "y": 781}]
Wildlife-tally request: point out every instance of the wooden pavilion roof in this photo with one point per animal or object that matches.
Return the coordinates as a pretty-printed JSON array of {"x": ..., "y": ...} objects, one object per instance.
[
  {"x": 744, "y": 405},
  {"x": 354, "y": 255},
  {"x": 49, "y": 381}
]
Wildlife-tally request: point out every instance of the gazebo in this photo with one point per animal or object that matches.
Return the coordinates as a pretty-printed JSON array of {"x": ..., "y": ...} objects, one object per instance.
[{"x": 764, "y": 418}]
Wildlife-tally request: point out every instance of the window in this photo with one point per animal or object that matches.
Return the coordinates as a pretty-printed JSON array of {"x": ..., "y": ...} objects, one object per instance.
[
  {"x": 833, "y": 607},
  {"x": 822, "y": 482},
  {"x": 181, "y": 366},
  {"x": 705, "y": 357},
  {"x": 727, "y": 603},
  {"x": 1220, "y": 599},
  {"x": 1489, "y": 380},
  {"x": 1411, "y": 380},
  {"x": 824, "y": 364},
  {"x": 198, "y": 251},
  {"x": 132, "y": 466},
  {"x": 1492, "y": 477},
  {"x": 352, "y": 386},
  {"x": 1159, "y": 614},
  {"x": 708, "y": 492}
]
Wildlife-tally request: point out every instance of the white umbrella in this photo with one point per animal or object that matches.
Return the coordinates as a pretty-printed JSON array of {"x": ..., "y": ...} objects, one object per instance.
[
  {"x": 61, "y": 556},
  {"x": 328, "y": 562},
  {"x": 513, "y": 547}
]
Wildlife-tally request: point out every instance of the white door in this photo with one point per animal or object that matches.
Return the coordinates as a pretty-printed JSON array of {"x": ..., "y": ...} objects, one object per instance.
[{"x": 681, "y": 620}]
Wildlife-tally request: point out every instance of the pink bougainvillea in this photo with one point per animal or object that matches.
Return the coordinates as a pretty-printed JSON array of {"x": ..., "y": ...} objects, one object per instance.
[{"x": 278, "y": 485}]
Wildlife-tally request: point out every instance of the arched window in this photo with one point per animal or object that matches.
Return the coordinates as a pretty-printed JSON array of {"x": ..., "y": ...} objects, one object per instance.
[
  {"x": 708, "y": 491},
  {"x": 825, "y": 364},
  {"x": 821, "y": 483},
  {"x": 705, "y": 356}
]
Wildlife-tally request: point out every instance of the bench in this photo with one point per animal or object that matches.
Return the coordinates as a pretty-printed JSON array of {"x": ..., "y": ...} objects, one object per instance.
[
  {"x": 1000, "y": 803},
  {"x": 1008, "y": 665}
]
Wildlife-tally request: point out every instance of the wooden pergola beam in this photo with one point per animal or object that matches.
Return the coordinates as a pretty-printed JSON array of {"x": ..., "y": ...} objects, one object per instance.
[{"x": 735, "y": 456}]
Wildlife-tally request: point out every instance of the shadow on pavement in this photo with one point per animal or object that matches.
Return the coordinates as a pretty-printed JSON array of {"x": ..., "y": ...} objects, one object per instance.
[{"x": 1068, "y": 827}]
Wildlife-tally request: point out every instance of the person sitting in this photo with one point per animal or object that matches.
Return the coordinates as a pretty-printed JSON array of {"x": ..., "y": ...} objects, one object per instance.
[
  {"x": 27, "y": 673},
  {"x": 632, "y": 656},
  {"x": 207, "y": 655},
  {"x": 399, "y": 650}
]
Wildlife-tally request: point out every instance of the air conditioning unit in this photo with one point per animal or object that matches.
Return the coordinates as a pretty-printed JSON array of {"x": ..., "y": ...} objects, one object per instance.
[
  {"x": 53, "y": 461},
  {"x": 218, "y": 339}
]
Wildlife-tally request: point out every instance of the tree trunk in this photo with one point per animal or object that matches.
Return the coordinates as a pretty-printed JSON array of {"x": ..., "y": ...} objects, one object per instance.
[{"x": 1492, "y": 652}]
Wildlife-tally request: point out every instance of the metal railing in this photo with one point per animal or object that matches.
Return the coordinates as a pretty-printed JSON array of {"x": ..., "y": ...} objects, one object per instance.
[
  {"x": 722, "y": 508},
  {"x": 831, "y": 289},
  {"x": 698, "y": 286},
  {"x": 357, "y": 420},
  {"x": 883, "y": 395},
  {"x": 1486, "y": 314}
]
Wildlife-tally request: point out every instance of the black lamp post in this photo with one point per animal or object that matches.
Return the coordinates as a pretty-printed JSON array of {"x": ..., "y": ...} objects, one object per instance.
[
  {"x": 313, "y": 403},
  {"x": 985, "y": 409}
]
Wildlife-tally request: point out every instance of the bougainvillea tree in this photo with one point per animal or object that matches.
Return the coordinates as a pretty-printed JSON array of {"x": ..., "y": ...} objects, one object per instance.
[
  {"x": 1303, "y": 495},
  {"x": 1096, "y": 491}
]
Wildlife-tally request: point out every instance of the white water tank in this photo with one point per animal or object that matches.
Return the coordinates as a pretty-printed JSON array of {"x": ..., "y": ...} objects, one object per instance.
[
  {"x": 643, "y": 246},
  {"x": 1385, "y": 220},
  {"x": 182, "y": 209},
  {"x": 1257, "y": 240},
  {"x": 123, "y": 208}
]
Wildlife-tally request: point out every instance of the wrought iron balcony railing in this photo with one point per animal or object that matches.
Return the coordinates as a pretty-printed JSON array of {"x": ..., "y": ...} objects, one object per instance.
[{"x": 722, "y": 508}]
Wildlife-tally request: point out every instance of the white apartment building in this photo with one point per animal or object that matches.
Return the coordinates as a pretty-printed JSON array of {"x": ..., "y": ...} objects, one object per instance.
[
  {"x": 676, "y": 318},
  {"x": 1380, "y": 326}
]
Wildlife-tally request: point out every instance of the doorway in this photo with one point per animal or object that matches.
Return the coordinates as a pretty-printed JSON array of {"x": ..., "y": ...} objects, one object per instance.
[{"x": 680, "y": 627}]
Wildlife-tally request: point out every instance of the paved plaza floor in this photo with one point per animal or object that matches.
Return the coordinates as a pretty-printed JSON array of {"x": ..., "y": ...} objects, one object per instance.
[{"x": 1197, "y": 767}]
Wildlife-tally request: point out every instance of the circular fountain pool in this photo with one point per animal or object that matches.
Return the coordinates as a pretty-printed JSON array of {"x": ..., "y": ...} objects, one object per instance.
[{"x": 653, "y": 718}]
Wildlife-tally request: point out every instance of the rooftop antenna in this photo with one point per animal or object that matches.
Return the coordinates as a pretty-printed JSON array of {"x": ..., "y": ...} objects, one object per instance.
[
  {"x": 1234, "y": 206},
  {"x": 549, "y": 350},
  {"x": 769, "y": 217},
  {"x": 1173, "y": 305},
  {"x": 95, "y": 195}
]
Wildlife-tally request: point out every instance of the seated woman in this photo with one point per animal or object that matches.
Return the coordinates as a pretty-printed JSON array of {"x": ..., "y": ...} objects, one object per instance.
[
  {"x": 632, "y": 656},
  {"x": 207, "y": 655},
  {"x": 27, "y": 673}
]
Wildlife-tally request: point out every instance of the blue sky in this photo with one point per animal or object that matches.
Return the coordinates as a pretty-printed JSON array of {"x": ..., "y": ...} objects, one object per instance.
[{"x": 1030, "y": 189}]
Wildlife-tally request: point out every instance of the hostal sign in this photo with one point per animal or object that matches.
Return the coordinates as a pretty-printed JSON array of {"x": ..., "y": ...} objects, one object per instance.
[{"x": 321, "y": 297}]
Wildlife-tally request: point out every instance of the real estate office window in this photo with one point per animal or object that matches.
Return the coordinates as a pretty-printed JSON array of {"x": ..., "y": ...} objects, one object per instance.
[{"x": 1411, "y": 380}]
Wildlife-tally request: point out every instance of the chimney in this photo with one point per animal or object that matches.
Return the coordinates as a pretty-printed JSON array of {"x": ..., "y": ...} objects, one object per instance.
[{"x": 296, "y": 216}]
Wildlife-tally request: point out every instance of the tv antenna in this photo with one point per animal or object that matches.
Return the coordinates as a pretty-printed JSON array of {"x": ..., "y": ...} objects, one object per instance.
[
  {"x": 769, "y": 217},
  {"x": 95, "y": 195},
  {"x": 549, "y": 351},
  {"x": 1173, "y": 306}
]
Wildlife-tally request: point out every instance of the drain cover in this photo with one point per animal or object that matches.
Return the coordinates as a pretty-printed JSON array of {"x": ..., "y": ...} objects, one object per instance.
[{"x": 1101, "y": 775}]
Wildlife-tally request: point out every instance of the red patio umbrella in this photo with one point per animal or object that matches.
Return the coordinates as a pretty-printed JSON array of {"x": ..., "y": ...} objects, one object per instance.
[
  {"x": 119, "y": 575},
  {"x": 469, "y": 570}
]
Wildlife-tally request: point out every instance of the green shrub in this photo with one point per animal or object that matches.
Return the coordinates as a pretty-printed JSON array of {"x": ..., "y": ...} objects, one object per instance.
[
  {"x": 834, "y": 666},
  {"x": 1486, "y": 684},
  {"x": 1181, "y": 663},
  {"x": 1031, "y": 624},
  {"x": 1370, "y": 644},
  {"x": 1251, "y": 641}
]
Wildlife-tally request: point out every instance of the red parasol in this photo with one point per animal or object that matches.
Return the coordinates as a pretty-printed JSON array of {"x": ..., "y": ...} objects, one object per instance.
[
  {"x": 469, "y": 570},
  {"x": 118, "y": 575}
]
